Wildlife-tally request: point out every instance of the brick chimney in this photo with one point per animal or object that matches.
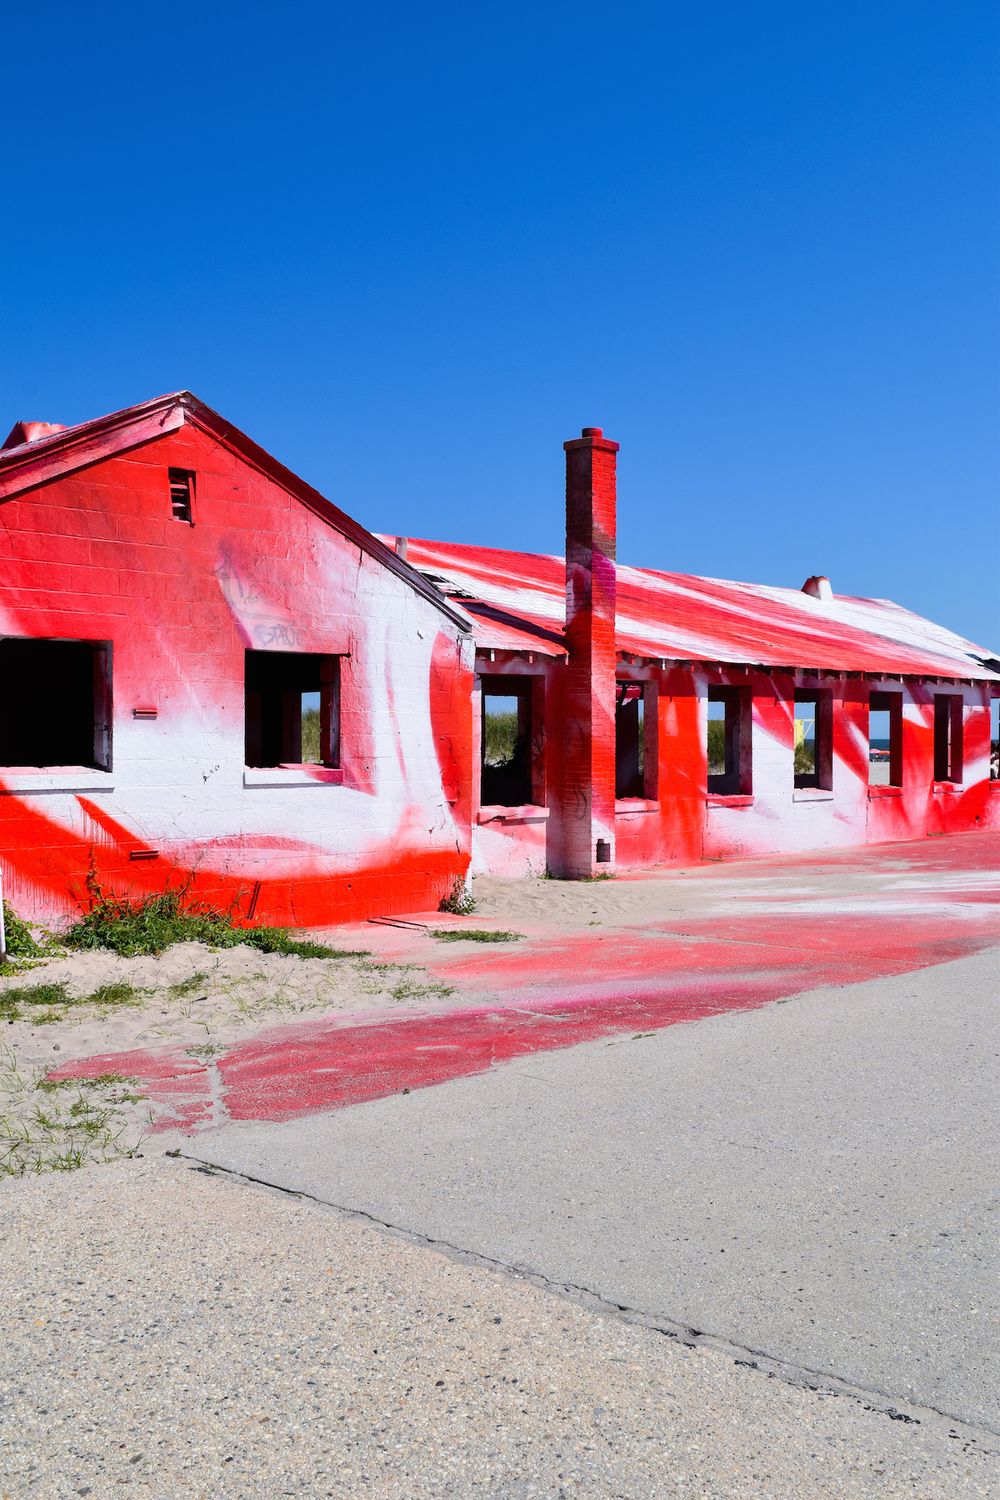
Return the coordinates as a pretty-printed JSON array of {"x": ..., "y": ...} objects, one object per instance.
[{"x": 587, "y": 791}]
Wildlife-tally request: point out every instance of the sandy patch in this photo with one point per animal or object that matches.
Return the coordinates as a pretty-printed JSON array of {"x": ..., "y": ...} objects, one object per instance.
[{"x": 206, "y": 1000}]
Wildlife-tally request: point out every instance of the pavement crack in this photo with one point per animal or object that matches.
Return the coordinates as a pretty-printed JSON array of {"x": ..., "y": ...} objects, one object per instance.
[{"x": 984, "y": 1439}]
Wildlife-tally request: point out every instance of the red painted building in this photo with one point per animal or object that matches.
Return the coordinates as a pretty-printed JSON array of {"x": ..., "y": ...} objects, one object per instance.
[
  {"x": 664, "y": 717},
  {"x": 211, "y": 669}
]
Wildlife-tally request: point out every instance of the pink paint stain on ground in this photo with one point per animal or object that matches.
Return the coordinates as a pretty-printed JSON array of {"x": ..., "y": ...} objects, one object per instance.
[{"x": 563, "y": 990}]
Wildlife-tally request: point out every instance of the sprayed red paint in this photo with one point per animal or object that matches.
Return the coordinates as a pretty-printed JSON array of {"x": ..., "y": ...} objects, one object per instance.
[
  {"x": 790, "y": 932},
  {"x": 518, "y": 601},
  {"x": 583, "y": 781},
  {"x": 770, "y": 642},
  {"x": 90, "y": 550}
]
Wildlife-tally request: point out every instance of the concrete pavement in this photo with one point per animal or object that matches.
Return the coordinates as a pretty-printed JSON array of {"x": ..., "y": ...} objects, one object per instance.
[
  {"x": 753, "y": 1110},
  {"x": 168, "y": 1335},
  {"x": 813, "y": 1184}
]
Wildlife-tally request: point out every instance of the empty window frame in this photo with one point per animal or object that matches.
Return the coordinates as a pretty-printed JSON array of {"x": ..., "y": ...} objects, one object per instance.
[
  {"x": 511, "y": 774},
  {"x": 995, "y": 739},
  {"x": 730, "y": 769},
  {"x": 885, "y": 739},
  {"x": 292, "y": 709},
  {"x": 57, "y": 697},
  {"x": 814, "y": 738},
  {"x": 182, "y": 494},
  {"x": 635, "y": 740},
  {"x": 948, "y": 716}
]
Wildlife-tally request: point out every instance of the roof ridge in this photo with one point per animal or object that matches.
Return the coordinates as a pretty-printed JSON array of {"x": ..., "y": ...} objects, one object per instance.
[{"x": 35, "y": 463}]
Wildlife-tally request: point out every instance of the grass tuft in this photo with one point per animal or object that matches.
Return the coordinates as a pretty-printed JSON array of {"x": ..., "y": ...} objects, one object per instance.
[
  {"x": 130, "y": 926},
  {"x": 55, "y": 999},
  {"x": 20, "y": 939},
  {"x": 185, "y": 987},
  {"x": 11, "y": 1000},
  {"x": 473, "y": 935},
  {"x": 459, "y": 901},
  {"x": 100, "y": 1080},
  {"x": 413, "y": 989},
  {"x": 113, "y": 994},
  {"x": 44, "y": 1128}
]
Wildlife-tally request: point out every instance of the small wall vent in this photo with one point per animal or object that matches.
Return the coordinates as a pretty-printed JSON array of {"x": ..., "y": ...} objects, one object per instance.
[{"x": 181, "y": 494}]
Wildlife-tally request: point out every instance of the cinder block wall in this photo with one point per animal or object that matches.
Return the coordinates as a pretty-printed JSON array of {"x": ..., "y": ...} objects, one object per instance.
[
  {"x": 98, "y": 556},
  {"x": 683, "y": 822}
]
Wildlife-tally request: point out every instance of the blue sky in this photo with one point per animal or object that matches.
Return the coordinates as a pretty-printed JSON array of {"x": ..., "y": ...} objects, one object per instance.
[{"x": 411, "y": 249}]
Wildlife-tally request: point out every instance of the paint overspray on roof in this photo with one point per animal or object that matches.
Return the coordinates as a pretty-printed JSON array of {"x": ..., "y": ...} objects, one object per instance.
[{"x": 516, "y": 602}]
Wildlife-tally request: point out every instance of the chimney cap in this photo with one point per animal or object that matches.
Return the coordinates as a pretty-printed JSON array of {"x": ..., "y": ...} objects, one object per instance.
[
  {"x": 592, "y": 437},
  {"x": 818, "y": 586}
]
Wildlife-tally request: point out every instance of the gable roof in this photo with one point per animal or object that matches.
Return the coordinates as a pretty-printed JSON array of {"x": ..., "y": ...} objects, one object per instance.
[
  {"x": 56, "y": 451},
  {"x": 517, "y": 602}
]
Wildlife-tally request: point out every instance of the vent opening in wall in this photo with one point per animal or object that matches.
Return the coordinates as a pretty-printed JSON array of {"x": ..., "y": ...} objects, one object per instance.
[{"x": 181, "y": 494}]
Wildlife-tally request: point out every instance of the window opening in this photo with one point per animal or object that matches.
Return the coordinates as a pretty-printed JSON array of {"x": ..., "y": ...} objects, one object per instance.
[
  {"x": 58, "y": 697},
  {"x": 814, "y": 739},
  {"x": 292, "y": 709},
  {"x": 995, "y": 739},
  {"x": 885, "y": 739},
  {"x": 729, "y": 741},
  {"x": 181, "y": 494},
  {"x": 947, "y": 737},
  {"x": 630, "y": 749},
  {"x": 506, "y": 779}
]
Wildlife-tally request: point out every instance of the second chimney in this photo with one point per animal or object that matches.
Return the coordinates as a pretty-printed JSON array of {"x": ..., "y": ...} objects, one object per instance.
[{"x": 818, "y": 586}]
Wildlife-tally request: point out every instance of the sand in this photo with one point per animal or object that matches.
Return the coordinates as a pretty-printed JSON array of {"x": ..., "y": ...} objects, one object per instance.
[{"x": 204, "y": 999}]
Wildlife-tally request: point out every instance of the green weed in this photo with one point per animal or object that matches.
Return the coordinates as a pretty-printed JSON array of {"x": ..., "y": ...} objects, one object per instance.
[
  {"x": 56, "y": 1000},
  {"x": 459, "y": 901},
  {"x": 21, "y": 942},
  {"x": 499, "y": 738},
  {"x": 473, "y": 935},
  {"x": 205, "y": 1050},
  {"x": 113, "y": 994},
  {"x": 99, "y": 1081},
  {"x": 57, "y": 1125},
  {"x": 12, "y": 1000},
  {"x": 131, "y": 926},
  {"x": 187, "y": 986},
  {"x": 413, "y": 989}
]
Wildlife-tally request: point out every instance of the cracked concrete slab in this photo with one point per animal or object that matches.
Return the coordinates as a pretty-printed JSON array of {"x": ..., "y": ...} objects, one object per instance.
[
  {"x": 172, "y": 1333},
  {"x": 814, "y": 1182}
]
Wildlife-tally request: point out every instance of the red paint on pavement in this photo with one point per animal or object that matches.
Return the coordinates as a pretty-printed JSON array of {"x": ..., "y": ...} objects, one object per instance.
[{"x": 584, "y": 986}]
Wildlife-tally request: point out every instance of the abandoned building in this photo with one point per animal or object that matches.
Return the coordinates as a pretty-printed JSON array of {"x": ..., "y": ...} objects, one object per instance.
[
  {"x": 211, "y": 669},
  {"x": 214, "y": 675}
]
